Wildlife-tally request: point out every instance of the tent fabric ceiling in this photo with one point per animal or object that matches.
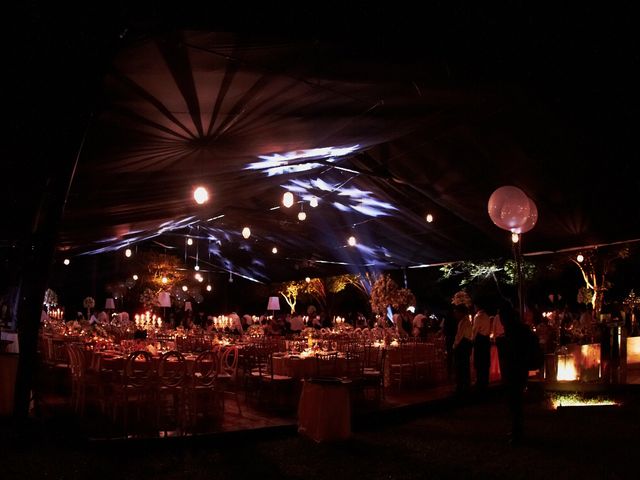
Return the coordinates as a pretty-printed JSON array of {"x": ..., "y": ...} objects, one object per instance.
[
  {"x": 196, "y": 108},
  {"x": 422, "y": 114}
]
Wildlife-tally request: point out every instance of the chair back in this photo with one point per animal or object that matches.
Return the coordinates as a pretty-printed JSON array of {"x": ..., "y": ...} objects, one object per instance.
[
  {"x": 206, "y": 368},
  {"x": 327, "y": 364},
  {"x": 229, "y": 361},
  {"x": 354, "y": 364},
  {"x": 138, "y": 369},
  {"x": 172, "y": 370}
]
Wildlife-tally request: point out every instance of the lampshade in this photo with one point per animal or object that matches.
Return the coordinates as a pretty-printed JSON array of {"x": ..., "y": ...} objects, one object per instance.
[
  {"x": 187, "y": 306},
  {"x": 164, "y": 299},
  {"x": 109, "y": 304},
  {"x": 274, "y": 303}
]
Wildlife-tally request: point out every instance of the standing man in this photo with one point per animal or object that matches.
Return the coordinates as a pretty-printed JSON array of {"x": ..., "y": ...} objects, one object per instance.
[
  {"x": 482, "y": 347},
  {"x": 462, "y": 347}
]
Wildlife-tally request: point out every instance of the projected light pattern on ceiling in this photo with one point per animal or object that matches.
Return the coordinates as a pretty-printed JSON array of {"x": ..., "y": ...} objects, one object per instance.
[
  {"x": 130, "y": 240},
  {"x": 355, "y": 199},
  {"x": 299, "y": 160}
]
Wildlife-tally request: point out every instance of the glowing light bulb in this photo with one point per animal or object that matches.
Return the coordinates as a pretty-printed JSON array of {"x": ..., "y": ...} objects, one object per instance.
[
  {"x": 128, "y": 252},
  {"x": 184, "y": 288},
  {"x": 307, "y": 279},
  {"x": 287, "y": 199},
  {"x": 199, "y": 277},
  {"x": 165, "y": 279},
  {"x": 209, "y": 288},
  {"x": 274, "y": 250},
  {"x": 302, "y": 216},
  {"x": 66, "y": 261},
  {"x": 429, "y": 218},
  {"x": 246, "y": 232},
  {"x": 313, "y": 202},
  {"x": 580, "y": 258},
  {"x": 189, "y": 241},
  {"x": 515, "y": 237},
  {"x": 200, "y": 195},
  {"x": 135, "y": 277},
  {"x": 196, "y": 268},
  {"x": 352, "y": 241}
]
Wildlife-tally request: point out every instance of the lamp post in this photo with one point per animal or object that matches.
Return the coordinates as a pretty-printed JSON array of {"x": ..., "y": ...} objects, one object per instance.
[
  {"x": 164, "y": 300},
  {"x": 510, "y": 209},
  {"x": 273, "y": 304}
]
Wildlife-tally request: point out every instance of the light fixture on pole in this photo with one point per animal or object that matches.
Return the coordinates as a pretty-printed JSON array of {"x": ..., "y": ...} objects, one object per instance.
[
  {"x": 511, "y": 209},
  {"x": 164, "y": 301},
  {"x": 109, "y": 304},
  {"x": 273, "y": 304}
]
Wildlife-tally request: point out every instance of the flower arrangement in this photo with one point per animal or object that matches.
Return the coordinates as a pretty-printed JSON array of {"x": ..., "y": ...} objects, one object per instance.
[
  {"x": 307, "y": 331},
  {"x": 462, "y": 298},
  {"x": 88, "y": 303},
  {"x": 50, "y": 298},
  {"x": 385, "y": 292},
  {"x": 255, "y": 331},
  {"x": 149, "y": 299}
]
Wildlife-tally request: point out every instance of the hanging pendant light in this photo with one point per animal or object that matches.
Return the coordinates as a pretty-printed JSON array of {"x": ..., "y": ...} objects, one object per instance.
[
  {"x": 200, "y": 195},
  {"x": 246, "y": 232},
  {"x": 287, "y": 199}
]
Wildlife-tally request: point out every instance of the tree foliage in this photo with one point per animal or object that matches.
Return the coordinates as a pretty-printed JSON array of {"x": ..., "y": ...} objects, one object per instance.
[{"x": 385, "y": 292}]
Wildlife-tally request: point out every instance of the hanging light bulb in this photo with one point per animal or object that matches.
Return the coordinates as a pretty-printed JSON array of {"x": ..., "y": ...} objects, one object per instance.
[
  {"x": 128, "y": 253},
  {"x": 165, "y": 280},
  {"x": 209, "y": 288},
  {"x": 184, "y": 288},
  {"x": 429, "y": 218},
  {"x": 200, "y": 195},
  {"x": 135, "y": 277},
  {"x": 313, "y": 202},
  {"x": 307, "y": 279},
  {"x": 287, "y": 199},
  {"x": 66, "y": 261},
  {"x": 196, "y": 268},
  {"x": 274, "y": 250},
  {"x": 515, "y": 237},
  {"x": 302, "y": 216},
  {"x": 580, "y": 258},
  {"x": 198, "y": 276},
  {"x": 230, "y": 277},
  {"x": 352, "y": 241},
  {"x": 246, "y": 232},
  {"x": 189, "y": 241}
]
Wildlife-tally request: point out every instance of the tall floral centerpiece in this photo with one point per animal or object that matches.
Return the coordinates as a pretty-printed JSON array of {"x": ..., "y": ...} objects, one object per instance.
[
  {"x": 462, "y": 298},
  {"x": 89, "y": 303},
  {"x": 385, "y": 292}
]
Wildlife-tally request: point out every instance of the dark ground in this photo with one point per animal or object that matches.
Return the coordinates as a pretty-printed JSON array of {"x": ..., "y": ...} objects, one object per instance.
[{"x": 464, "y": 441}]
